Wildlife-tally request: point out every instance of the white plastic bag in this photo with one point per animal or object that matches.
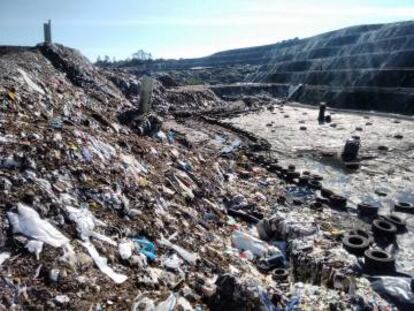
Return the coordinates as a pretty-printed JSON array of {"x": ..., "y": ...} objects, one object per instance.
[
  {"x": 29, "y": 223},
  {"x": 125, "y": 249},
  {"x": 4, "y": 256},
  {"x": 168, "y": 304},
  {"x": 101, "y": 263},
  {"x": 247, "y": 242},
  {"x": 86, "y": 223},
  {"x": 35, "y": 247},
  {"x": 186, "y": 255}
]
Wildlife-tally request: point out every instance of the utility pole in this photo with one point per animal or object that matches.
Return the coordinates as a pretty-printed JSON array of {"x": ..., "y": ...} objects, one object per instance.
[{"x": 47, "y": 29}]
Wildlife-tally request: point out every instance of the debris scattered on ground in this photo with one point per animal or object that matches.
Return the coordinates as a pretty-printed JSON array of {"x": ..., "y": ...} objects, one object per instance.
[{"x": 107, "y": 208}]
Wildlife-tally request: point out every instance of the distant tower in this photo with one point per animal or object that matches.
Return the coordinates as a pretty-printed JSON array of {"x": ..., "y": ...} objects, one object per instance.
[{"x": 47, "y": 28}]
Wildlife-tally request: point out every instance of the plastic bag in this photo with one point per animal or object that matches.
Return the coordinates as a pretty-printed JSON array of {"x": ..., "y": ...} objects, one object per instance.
[
  {"x": 101, "y": 263},
  {"x": 145, "y": 247},
  {"x": 29, "y": 223},
  {"x": 186, "y": 255},
  {"x": 85, "y": 221},
  {"x": 168, "y": 304},
  {"x": 397, "y": 290},
  {"x": 3, "y": 257},
  {"x": 245, "y": 241},
  {"x": 35, "y": 247},
  {"x": 125, "y": 249}
]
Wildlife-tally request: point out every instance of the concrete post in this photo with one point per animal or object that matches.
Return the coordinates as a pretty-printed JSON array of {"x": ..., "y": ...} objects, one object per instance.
[
  {"x": 47, "y": 29},
  {"x": 145, "y": 95}
]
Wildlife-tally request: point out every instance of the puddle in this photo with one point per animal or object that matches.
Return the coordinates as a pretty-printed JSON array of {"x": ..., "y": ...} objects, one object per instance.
[{"x": 384, "y": 177}]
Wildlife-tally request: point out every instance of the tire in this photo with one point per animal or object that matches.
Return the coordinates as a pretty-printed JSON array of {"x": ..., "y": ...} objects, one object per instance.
[
  {"x": 404, "y": 207},
  {"x": 280, "y": 274},
  {"x": 383, "y": 228},
  {"x": 326, "y": 193},
  {"x": 316, "y": 206},
  {"x": 355, "y": 244},
  {"x": 242, "y": 215},
  {"x": 352, "y": 165},
  {"x": 303, "y": 180},
  {"x": 268, "y": 264},
  {"x": 316, "y": 177},
  {"x": 337, "y": 201},
  {"x": 367, "y": 210},
  {"x": 377, "y": 260},
  {"x": 315, "y": 184},
  {"x": 396, "y": 221},
  {"x": 291, "y": 175},
  {"x": 364, "y": 233},
  {"x": 274, "y": 168},
  {"x": 283, "y": 171}
]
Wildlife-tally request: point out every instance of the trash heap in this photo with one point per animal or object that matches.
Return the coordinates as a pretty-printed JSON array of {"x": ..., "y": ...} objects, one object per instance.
[{"x": 99, "y": 215}]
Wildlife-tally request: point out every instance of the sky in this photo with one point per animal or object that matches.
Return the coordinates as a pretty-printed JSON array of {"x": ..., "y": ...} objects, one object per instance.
[{"x": 185, "y": 28}]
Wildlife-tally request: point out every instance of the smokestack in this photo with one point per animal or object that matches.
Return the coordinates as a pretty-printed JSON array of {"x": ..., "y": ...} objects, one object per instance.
[{"x": 47, "y": 29}]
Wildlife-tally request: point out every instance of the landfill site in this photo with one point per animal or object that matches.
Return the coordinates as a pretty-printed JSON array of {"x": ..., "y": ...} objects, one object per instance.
[{"x": 273, "y": 186}]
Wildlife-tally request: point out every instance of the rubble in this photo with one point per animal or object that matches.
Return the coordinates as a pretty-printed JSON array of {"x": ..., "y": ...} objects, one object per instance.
[{"x": 104, "y": 208}]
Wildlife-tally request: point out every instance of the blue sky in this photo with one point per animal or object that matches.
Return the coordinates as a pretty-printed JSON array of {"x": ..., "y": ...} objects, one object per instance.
[{"x": 185, "y": 28}]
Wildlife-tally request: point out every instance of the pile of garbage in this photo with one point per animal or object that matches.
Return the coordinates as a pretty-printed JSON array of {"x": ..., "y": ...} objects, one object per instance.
[
  {"x": 103, "y": 211},
  {"x": 168, "y": 96}
]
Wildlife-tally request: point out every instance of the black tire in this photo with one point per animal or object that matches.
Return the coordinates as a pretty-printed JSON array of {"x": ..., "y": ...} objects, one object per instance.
[
  {"x": 268, "y": 264},
  {"x": 396, "y": 221},
  {"x": 316, "y": 206},
  {"x": 355, "y": 244},
  {"x": 303, "y": 180},
  {"x": 377, "y": 260},
  {"x": 315, "y": 184},
  {"x": 404, "y": 207},
  {"x": 352, "y": 165},
  {"x": 337, "y": 201},
  {"x": 316, "y": 177},
  {"x": 242, "y": 215},
  {"x": 367, "y": 210},
  {"x": 322, "y": 200},
  {"x": 383, "y": 228},
  {"x": 280, "y": 274},
  {"x": 283, "y": 171},
  {"x": 364, "y": 233},
  {"x": 291, "y": 175},
  {"x": 275, "y": 168},
  {"x": 326, "y": 193}
]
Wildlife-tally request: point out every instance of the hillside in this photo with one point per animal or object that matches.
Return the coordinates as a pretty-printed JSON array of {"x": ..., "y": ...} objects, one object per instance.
[{"x": 369, "y": 67}]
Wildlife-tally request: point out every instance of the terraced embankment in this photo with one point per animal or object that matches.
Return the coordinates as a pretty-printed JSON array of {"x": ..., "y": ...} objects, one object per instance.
[{"x": 368, "y": 67}]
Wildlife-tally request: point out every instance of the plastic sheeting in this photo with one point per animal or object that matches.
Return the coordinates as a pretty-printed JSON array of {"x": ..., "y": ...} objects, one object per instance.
[
  {"x": 186, "y": 255},
  {"x": 397, "y": 290},
  {"x": 3, "y": 257},
  {"x": 28, "y": 222},
  {"x": 101, "y": 262}
]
